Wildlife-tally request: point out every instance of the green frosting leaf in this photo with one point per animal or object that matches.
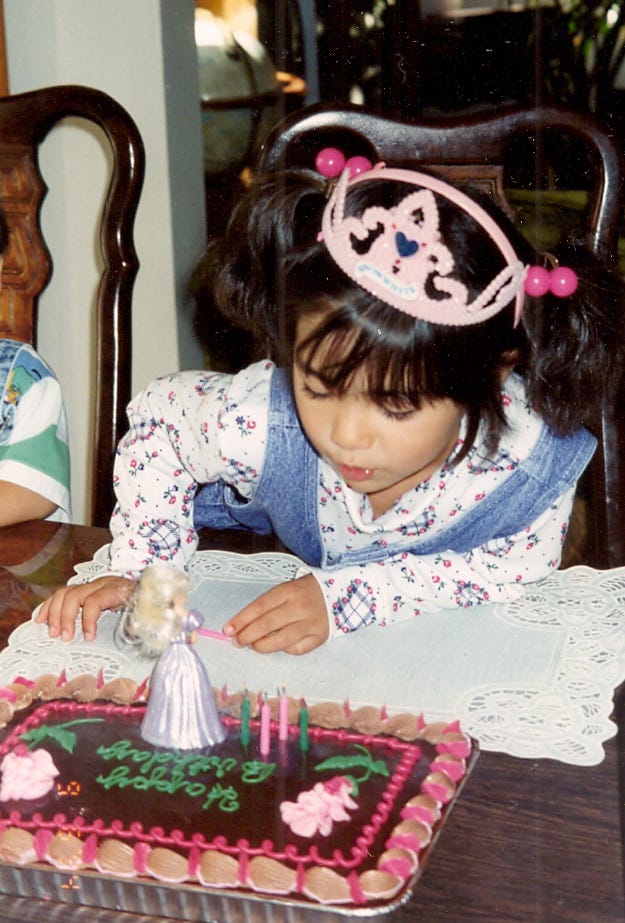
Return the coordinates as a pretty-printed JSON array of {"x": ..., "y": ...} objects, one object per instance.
[{"x": 59, "y": 732}]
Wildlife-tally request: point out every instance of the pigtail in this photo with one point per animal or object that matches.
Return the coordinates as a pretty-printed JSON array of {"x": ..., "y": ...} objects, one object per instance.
[
  {"x": 272, "y": 231},
  {"x": 576, "y": 345}
]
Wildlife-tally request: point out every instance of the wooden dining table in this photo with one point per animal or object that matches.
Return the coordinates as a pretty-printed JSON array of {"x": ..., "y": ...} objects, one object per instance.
[{"x": 529, "y": 841}]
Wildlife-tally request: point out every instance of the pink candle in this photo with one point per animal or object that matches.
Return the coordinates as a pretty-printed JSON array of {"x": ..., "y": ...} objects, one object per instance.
[
  {"x": 265, "y": 737},
  {"x": 283, "y": 716}
]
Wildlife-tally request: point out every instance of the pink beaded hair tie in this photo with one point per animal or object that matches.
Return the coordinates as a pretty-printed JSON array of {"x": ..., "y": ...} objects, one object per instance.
[
  {"x": 560, "y": 280},
  {"x": 403, "y": 251}
]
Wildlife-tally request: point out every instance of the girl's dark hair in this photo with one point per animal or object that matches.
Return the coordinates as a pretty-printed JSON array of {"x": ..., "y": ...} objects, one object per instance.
[{"x": 270, "y": 269}]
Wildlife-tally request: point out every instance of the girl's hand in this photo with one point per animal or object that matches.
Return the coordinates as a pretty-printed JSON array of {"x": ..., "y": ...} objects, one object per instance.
[
  {"x": 291, "y": 617},
  {"x": 60, "y": 609}
]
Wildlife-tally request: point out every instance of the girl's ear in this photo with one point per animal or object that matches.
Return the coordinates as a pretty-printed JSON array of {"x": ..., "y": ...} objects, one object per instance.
[{"x": 509, "y": 360}]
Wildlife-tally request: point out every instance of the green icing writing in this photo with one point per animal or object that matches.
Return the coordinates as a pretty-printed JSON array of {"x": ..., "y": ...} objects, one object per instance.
[
  {"x": 175, "y": 772},
  {"x": 256, "y": 771},
  {"x": 121, "y": 777},
  {"x": 193, "y": 764},
  {"x": 226, "y": 799}
]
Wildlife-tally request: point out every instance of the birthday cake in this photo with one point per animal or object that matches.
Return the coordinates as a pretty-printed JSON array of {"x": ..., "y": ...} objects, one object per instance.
[{"x": 339, "y": 808}]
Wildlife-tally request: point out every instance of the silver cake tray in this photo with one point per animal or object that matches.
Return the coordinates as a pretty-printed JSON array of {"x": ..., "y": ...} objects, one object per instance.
[{"x": 179, "y": 902}]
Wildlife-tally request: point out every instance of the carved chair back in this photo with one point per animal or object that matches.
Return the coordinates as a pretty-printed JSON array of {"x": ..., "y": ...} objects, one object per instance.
[{"x": 25, "y": 121}]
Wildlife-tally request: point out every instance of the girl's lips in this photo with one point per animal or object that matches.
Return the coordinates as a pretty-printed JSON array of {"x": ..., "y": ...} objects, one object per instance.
[{"x": 350, "y": 473}]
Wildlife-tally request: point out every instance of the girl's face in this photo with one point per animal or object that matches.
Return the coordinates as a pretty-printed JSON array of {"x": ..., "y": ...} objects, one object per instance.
[{"x": 379, "y": 450}]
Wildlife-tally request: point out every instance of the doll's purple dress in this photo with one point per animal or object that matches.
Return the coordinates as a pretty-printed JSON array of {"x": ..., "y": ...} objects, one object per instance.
[{"x": 181, "y": 713}]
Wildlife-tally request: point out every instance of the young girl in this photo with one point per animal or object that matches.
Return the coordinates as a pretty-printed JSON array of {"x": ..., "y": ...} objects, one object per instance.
[{"x": 421, "y": 444}]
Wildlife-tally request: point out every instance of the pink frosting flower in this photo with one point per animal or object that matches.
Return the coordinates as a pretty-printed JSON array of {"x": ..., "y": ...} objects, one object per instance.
[
  {"x": 26, "y": 775},
  {"x": 316, "y": 810}
]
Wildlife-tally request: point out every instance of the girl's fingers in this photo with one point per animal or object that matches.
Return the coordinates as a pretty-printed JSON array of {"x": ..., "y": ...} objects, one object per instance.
[
  {"x": 302, "y": 597},
  {"x": 290, "y": 617},
  {"x": 298, "y": 641},
  {"x": 61, "y": 609},
  {"x": 255, "y": 611},
  {"x": 305, "y": 645},
  {"x": 263, "y": 627}
]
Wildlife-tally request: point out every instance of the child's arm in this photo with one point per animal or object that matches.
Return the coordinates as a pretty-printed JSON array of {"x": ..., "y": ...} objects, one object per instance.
[
  {"x": 184, "y": 429},
  {"x": 61, "y": 609},
  {"x": 404, "y": 585},
  {"x": 293, "y": 616},
  {"x": 290, "y": 617},
  {"x": 34, "y": 455},
  {"x": 19, "y": 504}
]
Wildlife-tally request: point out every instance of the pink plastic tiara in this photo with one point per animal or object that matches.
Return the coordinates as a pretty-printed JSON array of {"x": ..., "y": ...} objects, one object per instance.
[{"x": 406, "y": 252}]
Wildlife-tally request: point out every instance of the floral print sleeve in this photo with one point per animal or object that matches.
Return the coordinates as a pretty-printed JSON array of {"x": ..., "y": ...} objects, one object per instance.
[
  {"x": 403, "y": 586},
  {"x": 185, "y": 429}
]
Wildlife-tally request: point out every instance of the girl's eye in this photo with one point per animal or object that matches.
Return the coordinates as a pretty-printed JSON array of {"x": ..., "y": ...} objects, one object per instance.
[
  {"x": 397, "y": 409},
  {"x": 396, "y": 414},
  {"x": 314, "y": 395}
]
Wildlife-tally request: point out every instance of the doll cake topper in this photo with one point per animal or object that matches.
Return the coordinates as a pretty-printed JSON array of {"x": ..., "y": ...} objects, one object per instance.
[
  {"x": 397, "y": 253},
  {"x": 181, "y": 713}
]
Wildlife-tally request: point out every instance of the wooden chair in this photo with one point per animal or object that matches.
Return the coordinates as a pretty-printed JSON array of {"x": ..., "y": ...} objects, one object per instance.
[
  {"x": 475, "y": 149},
  {"x": 25, "y": 120}
]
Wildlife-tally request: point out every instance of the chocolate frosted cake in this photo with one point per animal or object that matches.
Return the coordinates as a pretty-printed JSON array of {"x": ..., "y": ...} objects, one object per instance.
[{"x": 321, "y": 804}]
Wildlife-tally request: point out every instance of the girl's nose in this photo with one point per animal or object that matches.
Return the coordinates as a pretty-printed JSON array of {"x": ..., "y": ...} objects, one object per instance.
[{"x": 350, "y": 430}]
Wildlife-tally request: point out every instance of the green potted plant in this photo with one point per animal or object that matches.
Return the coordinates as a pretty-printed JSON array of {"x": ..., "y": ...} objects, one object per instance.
[{"x": 582, "y": 46}]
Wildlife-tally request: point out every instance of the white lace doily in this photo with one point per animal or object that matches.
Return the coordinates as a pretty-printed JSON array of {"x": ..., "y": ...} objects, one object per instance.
[{"x": 533, "y": 678}]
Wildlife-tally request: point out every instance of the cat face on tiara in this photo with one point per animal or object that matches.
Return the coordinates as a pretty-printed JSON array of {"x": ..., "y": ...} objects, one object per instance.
[
  {"x": 401, "y": 248},
  {"x": 398, "y": 254}
]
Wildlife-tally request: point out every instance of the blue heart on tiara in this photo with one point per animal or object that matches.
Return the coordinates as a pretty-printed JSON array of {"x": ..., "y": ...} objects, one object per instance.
[{"x": 405, "y": 246}]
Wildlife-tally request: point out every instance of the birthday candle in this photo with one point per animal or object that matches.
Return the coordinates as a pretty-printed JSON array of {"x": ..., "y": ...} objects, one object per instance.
[
  {"x": 265, "y": 717},
  {"x": 245, "y": 720},
  {"x": 303, "y": 726},
  {"x": 265, "y": 728},
  {"x": 283, "y": 716}
]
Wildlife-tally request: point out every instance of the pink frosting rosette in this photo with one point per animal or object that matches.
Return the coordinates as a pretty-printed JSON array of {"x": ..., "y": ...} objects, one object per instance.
[
  {"x": 315, "y": 811},
  {"x": 26, "y": 775}
]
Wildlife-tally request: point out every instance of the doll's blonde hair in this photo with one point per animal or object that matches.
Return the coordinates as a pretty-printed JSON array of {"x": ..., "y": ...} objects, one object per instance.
[{"x": 149, "y": 618}]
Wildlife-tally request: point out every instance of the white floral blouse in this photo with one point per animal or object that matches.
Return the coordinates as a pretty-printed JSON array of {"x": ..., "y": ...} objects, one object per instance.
[{"x": 190, "y": 428}]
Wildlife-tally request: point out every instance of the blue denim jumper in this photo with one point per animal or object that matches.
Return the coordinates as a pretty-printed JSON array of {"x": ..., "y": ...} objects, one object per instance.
[{"x": 285, "y": 502}]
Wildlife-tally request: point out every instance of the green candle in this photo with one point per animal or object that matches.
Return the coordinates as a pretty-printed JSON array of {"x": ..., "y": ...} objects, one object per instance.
[
  {"x": 245, "y": 720},
  {"x": 303, "y": 726}
]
